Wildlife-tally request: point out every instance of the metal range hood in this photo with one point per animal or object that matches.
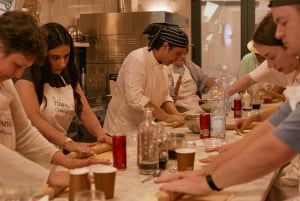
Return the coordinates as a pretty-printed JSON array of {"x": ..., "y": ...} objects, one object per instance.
[
  {"x": 127, "y": 23},
  {"x": 112, "y": 36}
]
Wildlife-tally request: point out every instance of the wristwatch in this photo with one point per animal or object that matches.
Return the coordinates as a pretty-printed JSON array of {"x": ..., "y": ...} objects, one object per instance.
[{"x": 66, "y": 141}]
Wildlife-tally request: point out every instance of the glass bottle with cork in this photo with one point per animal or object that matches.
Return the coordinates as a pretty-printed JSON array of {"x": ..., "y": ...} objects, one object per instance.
[{"x": 148, "y": 149}]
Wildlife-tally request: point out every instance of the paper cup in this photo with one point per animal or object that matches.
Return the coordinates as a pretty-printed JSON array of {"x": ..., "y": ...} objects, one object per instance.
[
  {"x": 104, "y": 177},
  {"x": 185, "y": 158},
  {"x": 79, "y": 180}
]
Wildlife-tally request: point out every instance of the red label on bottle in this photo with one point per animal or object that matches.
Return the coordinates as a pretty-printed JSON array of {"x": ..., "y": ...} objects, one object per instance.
[
  {"x": 204, "y": 125},
  {"x": 119, "y": 151}
]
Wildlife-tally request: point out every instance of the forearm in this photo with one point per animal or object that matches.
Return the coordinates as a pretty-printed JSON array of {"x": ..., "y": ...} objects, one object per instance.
[
  {"x": 88, "y": 117},
  {"x": 157, "y": 112},
  {"x": 210, "y": 81},
  {"x": 241, "y": 84},
  {"x": 60, "y": 159},
  {"x": 261, "y": 116},
  {"x": 264, "y": 155},
  {"x": 91, "y": 123},
  {"x": 170, "y": 108},
  {"x": 238, "y": 147}
]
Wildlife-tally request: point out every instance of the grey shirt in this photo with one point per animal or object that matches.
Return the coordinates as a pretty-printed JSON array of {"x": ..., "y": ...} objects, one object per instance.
[{"x": 287, "y": 123}]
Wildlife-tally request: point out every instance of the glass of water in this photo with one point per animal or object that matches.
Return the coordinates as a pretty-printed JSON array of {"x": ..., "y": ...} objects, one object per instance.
[{"x": 89, "y": 195}]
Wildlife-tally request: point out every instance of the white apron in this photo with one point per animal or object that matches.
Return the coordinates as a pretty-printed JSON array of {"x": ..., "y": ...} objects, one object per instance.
[
  {"x": 292, "y": 93},
  {"x": 187, "y": 97},
  {"x": 7, "y": 129},
  {"x": 58, "y": 108}
]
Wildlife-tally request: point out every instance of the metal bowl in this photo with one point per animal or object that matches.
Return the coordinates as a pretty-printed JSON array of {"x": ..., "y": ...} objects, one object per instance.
[{"x": 193, "y": 123}]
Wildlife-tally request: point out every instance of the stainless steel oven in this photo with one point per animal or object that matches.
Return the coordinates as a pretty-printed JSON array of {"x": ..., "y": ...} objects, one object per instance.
[{"x": 112, "y": 36}]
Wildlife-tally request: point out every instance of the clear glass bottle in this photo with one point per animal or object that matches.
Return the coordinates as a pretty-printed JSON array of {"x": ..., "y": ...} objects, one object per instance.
[
  {"x": 148, "y": 139},
  {"x": 225, "y": 79},
  {"x": 218, "y": 113}
]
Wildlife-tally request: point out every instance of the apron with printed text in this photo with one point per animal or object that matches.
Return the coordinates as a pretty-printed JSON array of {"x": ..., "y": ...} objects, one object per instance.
[
  {"x": 187, "y": 97},
  {"x": 58, "y": 106},
  {"x": 7, "y": 129}
]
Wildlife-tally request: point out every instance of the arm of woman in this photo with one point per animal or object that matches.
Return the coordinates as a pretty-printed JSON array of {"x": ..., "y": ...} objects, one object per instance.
[
  {"x": 29, "y": 99},
  {"x": 241, "y": 84},
  {"x": 230, "y": 153},
  {"x": 242, "y": 124},
  {"x": 90, "y": 121}
]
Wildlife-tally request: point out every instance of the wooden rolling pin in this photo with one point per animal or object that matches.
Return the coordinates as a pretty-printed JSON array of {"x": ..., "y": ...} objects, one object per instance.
[
  {"x": 274, "y": 94},
  {"x": 98, "y": 149},
  {"x": 53, "y": 191},
  {"x": 167, "y": 196},
  {"x": 177, "y": 86}
]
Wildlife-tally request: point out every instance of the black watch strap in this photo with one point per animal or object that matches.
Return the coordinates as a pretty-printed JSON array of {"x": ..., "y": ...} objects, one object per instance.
[{"x": 211, "y": 183}]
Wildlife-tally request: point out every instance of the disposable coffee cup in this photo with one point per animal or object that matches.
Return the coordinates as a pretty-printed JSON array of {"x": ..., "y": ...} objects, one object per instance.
[
  {"x": 79, "y": 180},
  {"x": 185, "y": 158},
  {"x": 104, "y": 177}
]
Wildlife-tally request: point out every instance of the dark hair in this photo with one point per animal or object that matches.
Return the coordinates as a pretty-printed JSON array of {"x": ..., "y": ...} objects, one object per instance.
[
  {"x": 277, "y": 3},
  {"x": 265, "y": 32},
  {"x": 57, "y": 36},
  {"x": 20, "y": 33}
]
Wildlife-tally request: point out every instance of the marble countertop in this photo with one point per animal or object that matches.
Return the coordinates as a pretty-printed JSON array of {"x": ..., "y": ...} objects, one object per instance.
[{"x": 129, "y": 186}]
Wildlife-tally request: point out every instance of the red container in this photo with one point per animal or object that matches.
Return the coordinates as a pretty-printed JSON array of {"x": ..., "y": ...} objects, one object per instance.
[
  {"x": 204, "y": 125},
  {"x": 119, "y": 151},
  {"x": 237, "y": 108}
]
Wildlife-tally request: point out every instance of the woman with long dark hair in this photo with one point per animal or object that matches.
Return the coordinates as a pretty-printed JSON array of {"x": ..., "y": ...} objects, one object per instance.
[{"x": 51, "y": 94}]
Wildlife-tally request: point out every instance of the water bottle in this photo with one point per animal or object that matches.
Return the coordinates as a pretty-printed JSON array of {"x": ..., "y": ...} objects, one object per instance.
[
  {"x": 218, "y": 113},
  {"x": 225, "y": 79},
  {"x": 148, "y": 141}
]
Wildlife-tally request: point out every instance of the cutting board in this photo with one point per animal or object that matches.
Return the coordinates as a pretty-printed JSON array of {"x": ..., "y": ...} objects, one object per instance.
[{"x": 215, "y": 196}]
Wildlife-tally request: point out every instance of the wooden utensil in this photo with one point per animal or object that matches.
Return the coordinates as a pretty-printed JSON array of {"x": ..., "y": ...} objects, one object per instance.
[
  {"x": 177, "y": 86},
  {"x": 180, "y": 72},
  {"x": 274, "y": 94},
  {"x": 98, "y": 149},
  {"x": 173, "y": 196},
  {"x": 53, "y": 191}
]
